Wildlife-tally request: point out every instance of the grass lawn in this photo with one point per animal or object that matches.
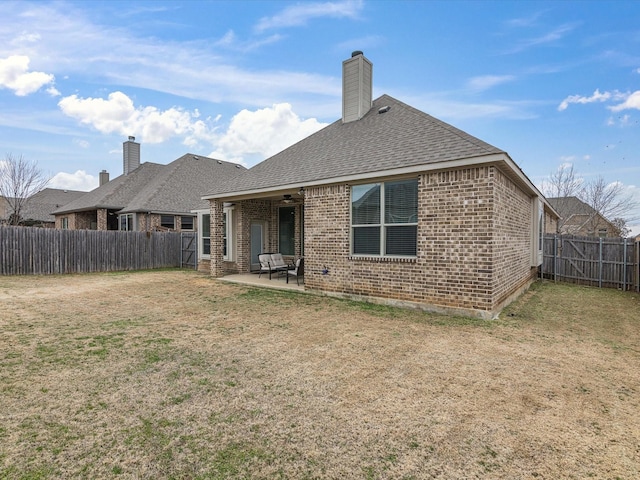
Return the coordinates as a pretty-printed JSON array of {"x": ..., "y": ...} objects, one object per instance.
[{"x": 174, "y": 375}]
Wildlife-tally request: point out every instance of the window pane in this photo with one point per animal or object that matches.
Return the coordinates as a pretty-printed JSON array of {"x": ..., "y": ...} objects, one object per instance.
[
  {"x": 401, "y": 201},
  {"x": 402, "y": 240},
  {"x": 167, "y": 221},
  {"x": 187, "y": 223},
  {"x": 206, "y": 234},
  {"x": 365, "y": 204},
  {"x": 366, "y": 240},
  {"x": 286, "y": 230},
  {"x": 224, "y": 234}
]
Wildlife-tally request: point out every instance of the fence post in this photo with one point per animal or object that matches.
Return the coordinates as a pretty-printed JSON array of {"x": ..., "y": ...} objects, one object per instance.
[
  {"x": 600, "y": 263},
  {"x": 555, "y": 258},
  {"x": 624, "y": 266}
]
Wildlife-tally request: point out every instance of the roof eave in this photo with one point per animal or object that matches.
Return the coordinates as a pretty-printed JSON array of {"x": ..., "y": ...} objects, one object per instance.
[{"x": 513, "y": 171}]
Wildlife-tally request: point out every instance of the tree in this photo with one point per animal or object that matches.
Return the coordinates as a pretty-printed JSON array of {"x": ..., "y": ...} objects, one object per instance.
[
  {"x": 562, "y": 185},
  {"x": 19, "y": 180},
  {"x": 608, "y": 201}
]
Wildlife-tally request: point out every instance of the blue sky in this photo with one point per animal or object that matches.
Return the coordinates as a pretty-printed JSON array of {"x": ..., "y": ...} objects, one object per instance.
[{"x": 552, "y": 83}]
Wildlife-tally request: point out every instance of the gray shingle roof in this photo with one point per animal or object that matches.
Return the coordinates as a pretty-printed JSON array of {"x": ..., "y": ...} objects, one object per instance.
[
  {"x": 39, "y": 206},
  {"x": 568, "y": 206},
  {"x": 152, "y": 187},
  {"x": 401, "y": 137}
]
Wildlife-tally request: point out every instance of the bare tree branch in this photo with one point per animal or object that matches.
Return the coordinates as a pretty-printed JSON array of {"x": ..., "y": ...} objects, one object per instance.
[
  {"x": 609, "y": 201},
  {"x": 19, "y": 180},
  {"x": 562, "y": 185}
]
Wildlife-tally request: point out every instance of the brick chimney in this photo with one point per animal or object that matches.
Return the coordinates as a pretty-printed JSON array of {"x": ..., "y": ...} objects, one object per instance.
[
  {"x": 130, "y": 155},
  {"x": 104, "y": 177},
  {"x": 357, "y": 87}
]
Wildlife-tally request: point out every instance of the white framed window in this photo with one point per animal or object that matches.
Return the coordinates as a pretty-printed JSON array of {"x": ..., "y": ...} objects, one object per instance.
[
  {"x": 227, "y": 234},
  {"x": 65, "y": 223},
  {"x": 384, "y": 219},
  {"x": 204, "y": 234},
  {"x": 537, "y": 232},
  {"x": 126, "y": 222}
]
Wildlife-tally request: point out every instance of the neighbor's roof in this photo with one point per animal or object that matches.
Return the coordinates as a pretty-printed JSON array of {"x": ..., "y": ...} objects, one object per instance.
[
  {"x": 569, "y": 206},
  {"x": 174, "y": 188},
  {"x": 401, "y": 137},
  {"x": 40, "y": 205}
]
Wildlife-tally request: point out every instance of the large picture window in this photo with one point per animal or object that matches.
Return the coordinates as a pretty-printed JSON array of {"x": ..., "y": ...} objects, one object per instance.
[{"x": 384, "y": 218}]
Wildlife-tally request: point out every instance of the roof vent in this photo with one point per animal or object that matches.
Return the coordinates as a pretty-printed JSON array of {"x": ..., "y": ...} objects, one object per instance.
[
  {"x": 195, "y": 157},
  {"x": 237, "y": 166},
  {"x": 384, "y": 109},
  {"x": 219, "y": 162}
]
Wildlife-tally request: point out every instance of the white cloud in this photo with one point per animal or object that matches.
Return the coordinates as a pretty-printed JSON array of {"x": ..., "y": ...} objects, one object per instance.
[
  {"x": 79, "y": 180},
  {"x": 549, "y": 37},
  {"x": 299, "y": 14},
  {"x": 263, "y": 133},
  {"x": 596, "y": 97},
  {"x": 117, "y": 114},
  {"x": 71, "y": 44},
  {"x": 15, "y": 76},
  {"x": 486, "y": 82},
  {"x": 631, "y": 102}
]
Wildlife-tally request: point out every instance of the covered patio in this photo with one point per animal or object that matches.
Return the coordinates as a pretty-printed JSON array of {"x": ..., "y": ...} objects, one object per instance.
[{"x": 277, "y": 282}]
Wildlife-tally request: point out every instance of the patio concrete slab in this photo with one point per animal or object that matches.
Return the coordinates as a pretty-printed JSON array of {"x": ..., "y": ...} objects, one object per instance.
[{"x": 279, "y": 282}]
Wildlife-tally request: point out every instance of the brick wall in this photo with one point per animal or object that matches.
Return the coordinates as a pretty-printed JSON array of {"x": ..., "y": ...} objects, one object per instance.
[
  {"x": 511, "y": 239},
  {"x": 459, "y": 264},
  {"x": 474, "y": 231}
]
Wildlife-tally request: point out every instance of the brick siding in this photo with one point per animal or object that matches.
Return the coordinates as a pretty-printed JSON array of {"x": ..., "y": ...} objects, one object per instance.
[{"x": 474, "y": 233}]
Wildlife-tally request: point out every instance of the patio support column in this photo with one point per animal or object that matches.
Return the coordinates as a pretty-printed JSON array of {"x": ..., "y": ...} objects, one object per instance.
[
  {"x": 101, "y": 219},
  {"x": 217, "y": 248}
]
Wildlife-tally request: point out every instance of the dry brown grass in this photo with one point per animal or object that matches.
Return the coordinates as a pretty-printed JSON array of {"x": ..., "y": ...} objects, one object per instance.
[{"x": 175, "y": 375}]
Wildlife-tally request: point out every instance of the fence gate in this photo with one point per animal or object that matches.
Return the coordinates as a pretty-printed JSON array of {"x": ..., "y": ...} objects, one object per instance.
[
  {"x": 189, "y": 250},
  {"x": 600, "y": 262}
]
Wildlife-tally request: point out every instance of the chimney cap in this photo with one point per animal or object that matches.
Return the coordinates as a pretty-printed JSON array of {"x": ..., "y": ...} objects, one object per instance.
[
  {"x": 132, "y": 138},
  {"x": 356, "y": 53}
]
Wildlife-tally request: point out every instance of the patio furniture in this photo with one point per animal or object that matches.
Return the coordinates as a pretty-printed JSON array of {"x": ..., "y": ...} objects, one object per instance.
[
  {"x": 277, "y": 262},
  {"x": 265, "y": 264},
  {"x": 272, "y": 262},
  {"x": 297, "y": 272}
]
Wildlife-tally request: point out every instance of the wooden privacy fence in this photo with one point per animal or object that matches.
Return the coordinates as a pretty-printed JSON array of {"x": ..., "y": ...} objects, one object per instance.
[
  {"x": 601, "y": 262},
  {"x": 28, "y": 250}
]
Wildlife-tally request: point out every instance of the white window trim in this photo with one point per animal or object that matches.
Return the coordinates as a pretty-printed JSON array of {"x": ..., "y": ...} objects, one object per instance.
[
  {"x": 228, "y": 211},
  {"x": 382, "y": 225},
  {"x": 132, "y": 226},
  {"x": 201, "y": 214},
  {"x": 537, "y": 232}
]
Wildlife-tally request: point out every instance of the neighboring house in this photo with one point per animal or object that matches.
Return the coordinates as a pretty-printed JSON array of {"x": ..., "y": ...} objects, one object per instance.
[
  {"x": 5, "y": 210},
  {"x": 148, "y": 196},
  {"x": 387, "y": 204},
  {"x": 579, "y": 218},
  {"x": 37, "y": 210}
]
